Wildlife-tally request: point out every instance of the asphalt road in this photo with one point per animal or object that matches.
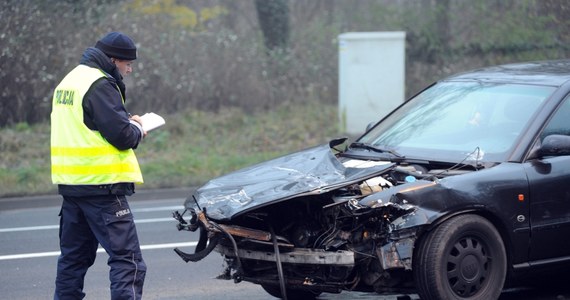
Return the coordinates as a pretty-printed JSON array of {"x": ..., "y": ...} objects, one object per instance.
[{"x": 29, "y": 249}]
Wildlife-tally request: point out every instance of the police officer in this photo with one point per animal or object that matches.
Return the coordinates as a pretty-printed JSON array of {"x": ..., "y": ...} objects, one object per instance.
[{"x": 95, "y": 168}]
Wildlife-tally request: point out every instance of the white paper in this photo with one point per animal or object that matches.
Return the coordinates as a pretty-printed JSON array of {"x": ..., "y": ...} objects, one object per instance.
[{"x": 151, "y": 121}]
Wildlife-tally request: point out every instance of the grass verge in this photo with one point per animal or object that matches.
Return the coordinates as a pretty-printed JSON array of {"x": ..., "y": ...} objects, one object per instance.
[{"x": 193, "y": 146}]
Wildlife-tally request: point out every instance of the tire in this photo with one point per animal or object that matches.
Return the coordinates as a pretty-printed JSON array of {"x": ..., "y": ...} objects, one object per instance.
[
  {"x": 292, "y": 294},
  {"x": 463, "y": 258}
]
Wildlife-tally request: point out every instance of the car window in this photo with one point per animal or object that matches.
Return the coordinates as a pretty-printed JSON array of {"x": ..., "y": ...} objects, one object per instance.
[
  {"x": 560, "y": 122},
  {"x": 450, "y": 120}
]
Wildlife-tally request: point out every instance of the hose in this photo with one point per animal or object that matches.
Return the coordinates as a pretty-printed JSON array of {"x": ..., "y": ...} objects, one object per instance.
[{"x": 279, "y": 266}]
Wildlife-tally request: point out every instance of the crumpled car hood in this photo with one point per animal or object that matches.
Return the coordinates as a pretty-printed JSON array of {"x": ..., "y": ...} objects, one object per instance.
[{"x": 311, "y": 171}]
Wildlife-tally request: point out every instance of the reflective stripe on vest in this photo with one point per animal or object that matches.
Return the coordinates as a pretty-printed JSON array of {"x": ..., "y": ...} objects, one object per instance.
[{"x": 80, "y": 155}]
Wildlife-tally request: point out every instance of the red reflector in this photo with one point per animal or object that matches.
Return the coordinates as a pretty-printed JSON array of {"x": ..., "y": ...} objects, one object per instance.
[{"x": 521, "y": 197}]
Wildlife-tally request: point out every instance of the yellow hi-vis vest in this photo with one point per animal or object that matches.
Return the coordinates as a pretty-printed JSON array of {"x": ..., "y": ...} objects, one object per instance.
[{"x": 80, "y": 155}]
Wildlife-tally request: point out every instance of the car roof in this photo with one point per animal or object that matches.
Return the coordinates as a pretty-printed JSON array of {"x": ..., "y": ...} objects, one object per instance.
[{"x": 553, "y": 73}]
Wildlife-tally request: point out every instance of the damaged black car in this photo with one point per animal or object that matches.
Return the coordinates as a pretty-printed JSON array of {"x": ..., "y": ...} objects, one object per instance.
[{"x": 462, "y": 188}]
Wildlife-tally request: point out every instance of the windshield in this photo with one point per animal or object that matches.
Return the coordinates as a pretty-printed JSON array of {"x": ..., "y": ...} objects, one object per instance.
[{"x": 453, "y": 121}]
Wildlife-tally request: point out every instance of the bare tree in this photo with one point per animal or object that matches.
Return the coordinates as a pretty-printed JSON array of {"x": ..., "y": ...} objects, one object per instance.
[{"x": 273, "y": 16}]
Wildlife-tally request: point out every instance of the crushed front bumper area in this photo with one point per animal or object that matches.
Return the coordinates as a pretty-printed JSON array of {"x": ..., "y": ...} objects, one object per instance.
[
  {"x": 394, "y": 254},
  {"x": 211, "y": 233},
  {"x": 296, "y": 256}
]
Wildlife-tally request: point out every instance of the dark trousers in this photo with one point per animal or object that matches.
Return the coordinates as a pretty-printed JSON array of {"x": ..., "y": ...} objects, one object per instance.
[{"x": 86, "y": 222}]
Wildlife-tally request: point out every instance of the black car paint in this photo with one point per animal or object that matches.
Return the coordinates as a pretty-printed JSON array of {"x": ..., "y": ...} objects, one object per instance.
[
  {"x": 526, "y": 197},
  {"x": 549, "y": 181},
  {"x": 495, "y": 195}
]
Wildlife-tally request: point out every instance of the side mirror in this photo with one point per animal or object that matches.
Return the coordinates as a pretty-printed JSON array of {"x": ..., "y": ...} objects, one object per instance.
[
  {"x": 555, "y": 145},
  {"x": 335, "y": 142},
  {"x": 369, "y": 126}
]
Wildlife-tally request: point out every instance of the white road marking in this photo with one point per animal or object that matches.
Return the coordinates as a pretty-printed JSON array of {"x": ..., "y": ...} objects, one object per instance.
[
  {"x": 135, "y": 210},
  {"x": 32, "y": 228},
  {"x": 161, "y": 208},
  {"x": 100, "y": 250}
]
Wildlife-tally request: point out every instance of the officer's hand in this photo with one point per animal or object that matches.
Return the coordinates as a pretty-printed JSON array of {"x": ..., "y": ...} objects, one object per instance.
[{"x": 138, "y": 119}]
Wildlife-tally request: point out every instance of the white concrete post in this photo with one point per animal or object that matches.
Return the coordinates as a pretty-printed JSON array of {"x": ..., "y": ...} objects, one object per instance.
[{"x": 371, "y": 77}]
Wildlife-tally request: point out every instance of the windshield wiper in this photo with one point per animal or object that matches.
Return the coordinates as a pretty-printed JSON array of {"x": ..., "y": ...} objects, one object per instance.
[{"x": 375, "y": 149}]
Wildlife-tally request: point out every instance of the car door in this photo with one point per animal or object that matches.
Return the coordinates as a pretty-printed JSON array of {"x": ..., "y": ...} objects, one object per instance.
[{"x": 549, "y": 180}]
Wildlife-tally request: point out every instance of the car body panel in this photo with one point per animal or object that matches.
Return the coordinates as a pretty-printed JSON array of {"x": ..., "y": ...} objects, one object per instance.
[
  {"x": 314, "y": 170},
  {"x": 551, "y": 73},
  {"x": 550, "y": 197},
  {"x": 494, "y": 192}
]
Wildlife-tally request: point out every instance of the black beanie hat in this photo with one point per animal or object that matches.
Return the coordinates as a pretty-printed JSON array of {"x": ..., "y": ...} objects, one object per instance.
[{"x": 117, "y": 45}]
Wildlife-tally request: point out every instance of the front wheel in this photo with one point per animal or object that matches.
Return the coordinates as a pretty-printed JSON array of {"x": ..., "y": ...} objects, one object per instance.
[{"x": 463, "y": 258}]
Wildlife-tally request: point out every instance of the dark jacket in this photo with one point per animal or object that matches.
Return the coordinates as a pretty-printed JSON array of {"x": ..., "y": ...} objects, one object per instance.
[{"x": 104, "y": 111}]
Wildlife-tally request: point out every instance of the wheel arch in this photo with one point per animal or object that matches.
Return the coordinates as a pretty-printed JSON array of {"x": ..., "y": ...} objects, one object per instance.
[
  {"x": 429, "y": 264},
  {"x": 486, "y": 214}
]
